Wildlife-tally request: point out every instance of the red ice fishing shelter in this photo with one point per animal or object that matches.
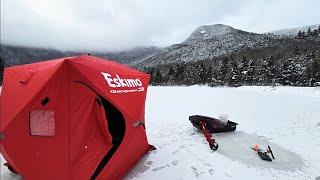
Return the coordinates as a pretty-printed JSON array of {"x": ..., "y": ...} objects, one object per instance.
[{"x": 73, "y": 118}]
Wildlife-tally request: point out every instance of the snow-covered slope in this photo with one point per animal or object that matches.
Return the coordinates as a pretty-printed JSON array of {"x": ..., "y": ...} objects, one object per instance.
[
  {"x": 294, "y": 31},
  {"x": 206, "y": 42},
  {"x": 286, "y": 118}
]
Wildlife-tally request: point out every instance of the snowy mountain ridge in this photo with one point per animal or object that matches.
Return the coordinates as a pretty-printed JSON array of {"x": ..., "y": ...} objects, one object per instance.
[
  {"x": 206, "y": 42},
  {"x": 293, "y": 31}
]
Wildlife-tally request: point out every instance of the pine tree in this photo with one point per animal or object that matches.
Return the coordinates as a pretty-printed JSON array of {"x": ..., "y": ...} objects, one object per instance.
[
  {"x": 210, "y": 75},
  {"x": 285, "y": 74},
  {"x": 243, "y": 70},
  {"x": 261, "y": 75},
  {"x": 191, "y": 75},
  {"x": 315, "y": 33},
  {"x": 315, "y": 70},
  {"x": 171, "y": 73},
  {"x": 151, "y": 72},
  {"x": 158, "y": 78},
  {"x": 309, "y": 33},
  {"x": 271, "y": 70},
  {"x": 300, "y": 35},
  {"x": 179, "y": 73},
  {"x": 294, "y": 72},
  {"x": 250, "y": 78},
  {"x": 223, "y": 71},
  {"x": 234, "y": 75},
  {"x": 201, "y": 74}
]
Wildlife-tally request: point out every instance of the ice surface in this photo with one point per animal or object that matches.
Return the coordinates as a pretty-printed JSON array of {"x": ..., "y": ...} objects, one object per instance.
[
  {"x": 237, "y": 146},
  {"x": 283, "y": 117}
]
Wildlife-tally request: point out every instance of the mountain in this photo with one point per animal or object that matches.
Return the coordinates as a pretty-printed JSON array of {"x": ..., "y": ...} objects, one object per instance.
[
  {"x": 206, "y": 42},
  {"x": 16, "y": 55},
  {"x": 219, "y": 55},
  {"x": 294, "y": 31}
]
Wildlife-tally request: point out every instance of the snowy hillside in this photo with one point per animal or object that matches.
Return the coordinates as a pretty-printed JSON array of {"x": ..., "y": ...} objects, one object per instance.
[
  {"x": 207, "y": 42},
  {"x": 294, "y": 31},
  {"x": 286, "y": 118}
]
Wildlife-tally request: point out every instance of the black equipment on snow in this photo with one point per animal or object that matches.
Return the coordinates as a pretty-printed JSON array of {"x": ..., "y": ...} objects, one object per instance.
[
  {"x": 271, "y": 152},
  {"x": 264, "y": 156},
  {"x": 213, "y": 125},
  {"x": 263, "y": 152}
]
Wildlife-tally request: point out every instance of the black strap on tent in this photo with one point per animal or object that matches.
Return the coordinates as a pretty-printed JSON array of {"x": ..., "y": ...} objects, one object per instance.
[{"x": 82, "y": 83}]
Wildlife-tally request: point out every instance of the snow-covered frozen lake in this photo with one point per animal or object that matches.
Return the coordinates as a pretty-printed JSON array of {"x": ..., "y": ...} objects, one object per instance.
[{"x": 286, "y": 118}]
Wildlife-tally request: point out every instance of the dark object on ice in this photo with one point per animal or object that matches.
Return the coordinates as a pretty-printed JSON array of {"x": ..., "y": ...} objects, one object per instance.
[
  {"x": 264, "y": 156},
  {"x": 263, "y": 152},
  {"x": 269, "y": 148},
  {"x": 213, "y": 125},
  {"x": 213, "y": 145},
  {"x": 212, "y": 142}
]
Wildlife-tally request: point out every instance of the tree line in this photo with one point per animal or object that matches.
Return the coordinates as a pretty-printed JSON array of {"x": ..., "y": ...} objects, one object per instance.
[
  {"x": 242, "y": 71},
  {"x": 309, "y": 34}
]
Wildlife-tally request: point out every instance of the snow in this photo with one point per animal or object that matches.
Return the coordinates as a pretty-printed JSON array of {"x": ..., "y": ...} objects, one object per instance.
[
  {"x": 202, "y": 31},
  {"x": 286, "y": 118}
]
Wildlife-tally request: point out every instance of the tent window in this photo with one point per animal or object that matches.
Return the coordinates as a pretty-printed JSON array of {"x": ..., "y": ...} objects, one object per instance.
[{"x": 42, "y": 123}]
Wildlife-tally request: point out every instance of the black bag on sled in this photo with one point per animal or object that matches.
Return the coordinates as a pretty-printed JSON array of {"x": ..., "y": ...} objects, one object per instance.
[{"x": 213, "y": 125}]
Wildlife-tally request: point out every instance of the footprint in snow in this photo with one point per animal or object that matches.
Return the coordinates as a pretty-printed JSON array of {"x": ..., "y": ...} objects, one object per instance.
[
  {"x": 175, "y": 152},
  {"x": 158, "y": 168},
  {"x": 211, "y": 171},
  {"x": 196, "y": 172},
  {"x": 175, "y": 163},
  {"x": 228, "y": 175},
  {"x": 149, "y": 163}
]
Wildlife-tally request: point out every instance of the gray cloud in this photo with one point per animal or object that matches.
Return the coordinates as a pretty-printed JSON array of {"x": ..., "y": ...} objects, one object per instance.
[{"x": 120, "y": 24}]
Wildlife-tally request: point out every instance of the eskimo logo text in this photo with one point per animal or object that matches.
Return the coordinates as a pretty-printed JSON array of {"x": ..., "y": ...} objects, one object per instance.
[{"x": 135, "y": 85}]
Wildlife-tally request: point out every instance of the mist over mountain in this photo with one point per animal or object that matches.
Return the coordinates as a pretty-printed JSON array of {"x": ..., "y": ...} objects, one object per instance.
[
  {"x": 17, "y": 55},
  {"x": 224, "y": 55}
]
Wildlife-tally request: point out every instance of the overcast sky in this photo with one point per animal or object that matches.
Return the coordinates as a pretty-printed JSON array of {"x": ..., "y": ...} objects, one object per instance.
[{"x": 121, "y": 24}]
